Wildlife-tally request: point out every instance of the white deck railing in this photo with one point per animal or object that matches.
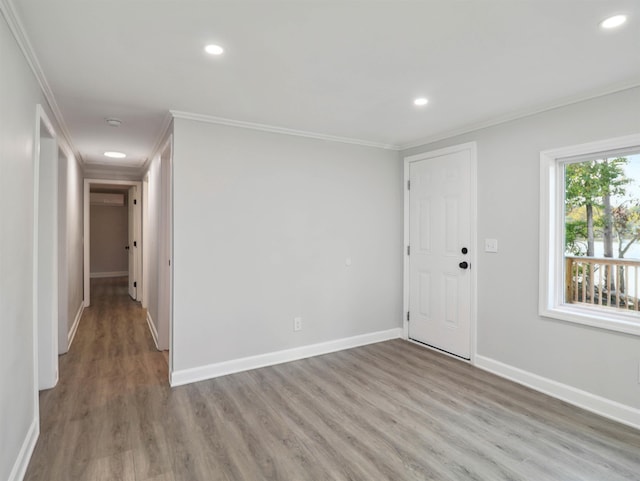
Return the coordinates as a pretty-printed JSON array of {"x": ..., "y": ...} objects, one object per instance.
[{"x": 602, "y": 281}]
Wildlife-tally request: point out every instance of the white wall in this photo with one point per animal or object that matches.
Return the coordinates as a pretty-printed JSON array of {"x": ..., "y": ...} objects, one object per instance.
[
  {"x": 19, "y": 94},
  {"x": 70, "y": 248},
  {"x": 263, "y": 224},
  {"x": 75, "y": 237},
  {"x": 155, "y": 248},
  {"x": 510, "y": 331},
  {"x": 109, "y": 235},
  {"x": 151, "y": 240}
]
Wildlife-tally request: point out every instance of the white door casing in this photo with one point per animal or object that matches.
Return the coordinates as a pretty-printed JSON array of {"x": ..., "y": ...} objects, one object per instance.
[
  {"x": 145, "y": 232},
  {"x": 132, "y": 244},
  {"x": 45, "y": 252},
  {"x": 440, "y": 226},
  {"x": 137, "y": 235}
]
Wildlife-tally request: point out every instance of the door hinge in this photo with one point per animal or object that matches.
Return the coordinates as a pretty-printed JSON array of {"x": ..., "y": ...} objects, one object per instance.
[
  {"x": 135, "y": 201},
  {"x": 408, "y": 185},
  {"x": 408, "y": 250},
  {"x": 135, "y": 284},
  {"x": 408, "y": 316}
]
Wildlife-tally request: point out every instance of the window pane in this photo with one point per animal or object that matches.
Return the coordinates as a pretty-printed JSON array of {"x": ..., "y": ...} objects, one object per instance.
[{"x": 602, "y": 231}]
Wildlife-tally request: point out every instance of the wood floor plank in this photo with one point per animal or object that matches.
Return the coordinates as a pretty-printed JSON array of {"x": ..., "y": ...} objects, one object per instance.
[
  {"x": 117, "y": 466},
  {"x": 332, "y": 456},
  {"x": 554, "y": 431},
  {"x": 454, "y": 423},
  {"x": 367, "y": 436},
  {"x": 403, "y": 432},
  {"x": 541, "y": 415},
  {"x": 388, "y": 411}
]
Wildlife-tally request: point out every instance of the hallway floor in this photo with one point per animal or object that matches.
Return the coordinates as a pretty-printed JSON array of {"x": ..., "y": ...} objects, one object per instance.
[
  {"x": 113, "y": 382},
  {"x": 387, "y": 411}
]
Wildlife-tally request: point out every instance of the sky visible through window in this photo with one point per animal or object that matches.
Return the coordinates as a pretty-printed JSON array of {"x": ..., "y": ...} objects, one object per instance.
[
  {"x": 632, "y": 171},
  {"x": 632, "y": 197}
]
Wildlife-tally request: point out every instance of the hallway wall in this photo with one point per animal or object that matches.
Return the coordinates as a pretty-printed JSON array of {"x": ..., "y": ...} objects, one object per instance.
[
  {"x": 70, "y": 247},
  {"x": 155, "y": 244},
  {"x": 152, "y": 241},
  {"x": 19, "y": 95}
]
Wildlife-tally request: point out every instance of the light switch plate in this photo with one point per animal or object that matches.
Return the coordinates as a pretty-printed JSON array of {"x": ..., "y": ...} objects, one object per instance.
[{"x": 491, "y": 245}]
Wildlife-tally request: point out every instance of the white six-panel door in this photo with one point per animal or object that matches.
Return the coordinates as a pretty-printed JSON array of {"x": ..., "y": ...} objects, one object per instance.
[{"x": 440, "y": 256}]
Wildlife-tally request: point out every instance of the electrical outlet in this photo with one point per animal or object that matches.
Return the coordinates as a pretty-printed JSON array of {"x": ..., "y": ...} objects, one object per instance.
[{"x": 297, "y": 323}]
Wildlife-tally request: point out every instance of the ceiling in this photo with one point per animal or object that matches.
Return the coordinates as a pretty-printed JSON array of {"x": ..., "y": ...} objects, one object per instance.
[{"x": 349, "y": 69}]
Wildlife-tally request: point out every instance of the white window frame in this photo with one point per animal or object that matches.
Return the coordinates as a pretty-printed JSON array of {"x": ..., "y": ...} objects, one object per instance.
[{"x": 551, "y": 282}]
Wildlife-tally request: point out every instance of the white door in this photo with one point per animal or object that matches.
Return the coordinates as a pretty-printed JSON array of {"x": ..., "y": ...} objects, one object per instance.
[
  {"x": 133, "y": 243},
  {"x": 440, "y": 252}
]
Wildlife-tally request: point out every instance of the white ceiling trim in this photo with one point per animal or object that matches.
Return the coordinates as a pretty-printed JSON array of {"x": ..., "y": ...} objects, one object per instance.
[
  {"x": 278, "y": 130},
  {"x": 160, "y": 141},
  {"x": 17, "y": 29},
  {"x": 611, "y": 89}
]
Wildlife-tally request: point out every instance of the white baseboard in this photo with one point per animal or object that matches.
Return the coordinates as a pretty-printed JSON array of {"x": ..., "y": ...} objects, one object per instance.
[
  {"x": 186, "y": 376},
  {"x": 604, "y": 407},
  {"x": 97, "y": 275},
  {"x": 152, "y": 328},
  {"x": 26, "y": 451},
  {"x": 74, "y": 326}
]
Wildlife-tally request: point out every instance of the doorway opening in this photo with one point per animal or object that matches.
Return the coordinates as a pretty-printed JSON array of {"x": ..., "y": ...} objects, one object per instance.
[
  {"x": 45, "y": 252},
  {"x": 113, "y": 234},
  {"x": 158, "y": 251}
]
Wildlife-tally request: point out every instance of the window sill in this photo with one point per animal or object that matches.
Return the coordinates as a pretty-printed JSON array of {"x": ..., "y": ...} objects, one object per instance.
[{"x": 595, "y": 317}]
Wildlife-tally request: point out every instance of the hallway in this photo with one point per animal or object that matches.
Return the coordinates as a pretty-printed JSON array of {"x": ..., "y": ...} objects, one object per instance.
[{"x": 100, "y": 418}]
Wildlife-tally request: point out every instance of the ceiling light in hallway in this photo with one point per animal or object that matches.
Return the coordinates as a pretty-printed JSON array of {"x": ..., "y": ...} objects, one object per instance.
[
  {"x": 613, "y": 22},
  {"x": 112, "y": 122},
  {"x": 115, "y": 155},
  {"x": 214, "y": 49}
]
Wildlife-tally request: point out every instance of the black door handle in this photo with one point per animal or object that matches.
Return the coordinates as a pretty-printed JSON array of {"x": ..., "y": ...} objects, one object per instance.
[
  {"x": 126, "y": 247},
  {"x": 464, "y": 265}
]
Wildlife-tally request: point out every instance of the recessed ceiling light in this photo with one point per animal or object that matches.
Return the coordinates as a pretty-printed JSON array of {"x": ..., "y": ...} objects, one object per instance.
[
  {"x": 613, "y": 22},
  {"x": 115, "y": 155},
  {"x": 112, "y": 122},
  {"x": 420, "y": 101},
  {"x": 214, "y": 49}
]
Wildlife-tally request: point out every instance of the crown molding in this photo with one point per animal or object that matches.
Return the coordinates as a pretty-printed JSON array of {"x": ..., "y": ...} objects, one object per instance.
[
  {"x": 160, "y": 142},
  {"x": 12, "y": 18},
  {"x": 279, "y": 130},
  {"x": 611, "y": 89}
]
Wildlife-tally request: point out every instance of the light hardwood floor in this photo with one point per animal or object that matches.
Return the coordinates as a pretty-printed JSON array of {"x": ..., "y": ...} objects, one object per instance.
[{"x": 388, "y": 411}]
